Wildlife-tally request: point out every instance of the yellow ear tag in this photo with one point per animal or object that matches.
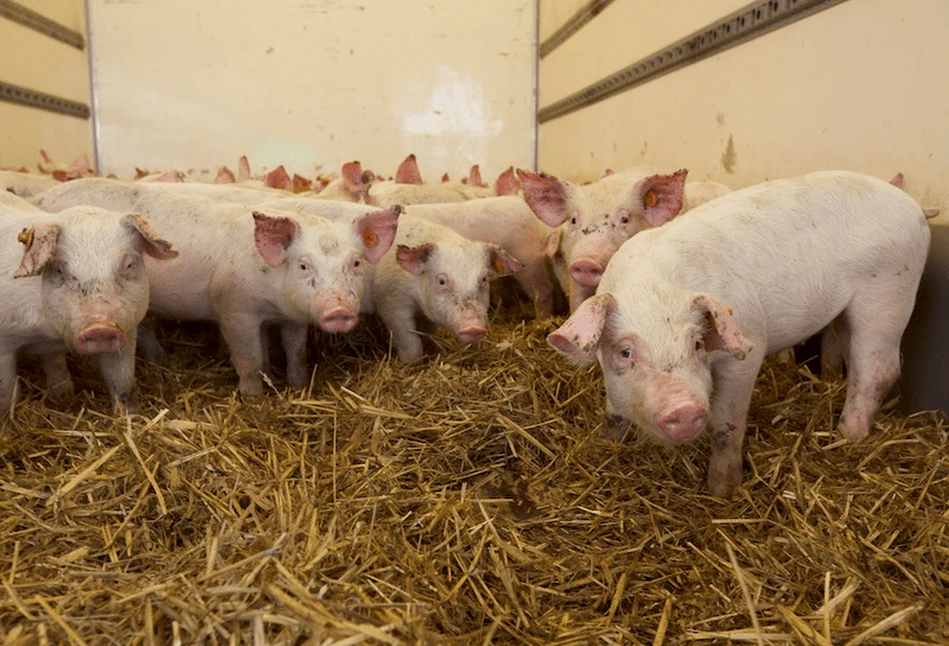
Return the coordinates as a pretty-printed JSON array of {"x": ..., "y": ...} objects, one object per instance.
[
  {"x": 650, "y": 198},
  {"x": 26, "y": 238},
  {"x": 369, "y": 238},
  {"x": 498, "y": 266}
]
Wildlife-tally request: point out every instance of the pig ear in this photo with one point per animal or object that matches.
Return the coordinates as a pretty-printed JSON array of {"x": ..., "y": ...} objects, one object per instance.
[
  {"x": 552, "y": 244},
  {"x": 272, "y": 236},
  {"x": 377, "y": 231},
  {"x": 151, "y": 243},
  {"x": 278, "y": 178},
  {"x": 661, "y": 196},
  {"x": 721, "y": 332},
  {"x": 301, "y": 184},
  {"x": 501, "y": 262},
  {"x": 507, "y": 183},
  {"x": 408, "y": 171},
  {"x": 474, "y": 176},
  {"x": 547, "y": 196},
  {"x": 578, "y": 338},
  {"x": 39, "y": 243},
  {"x": 224, "y": 176},
  {"x": 897, "y": 180},
  {"x": 352, "y": 176},
  {"x": 243, "y": 169},
  {"x": 413, "y": 259},
  {"x": 445, "y": 178}
]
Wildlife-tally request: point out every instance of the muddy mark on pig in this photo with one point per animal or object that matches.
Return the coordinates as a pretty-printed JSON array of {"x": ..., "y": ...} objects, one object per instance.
[{"x": 729, "y": 157}]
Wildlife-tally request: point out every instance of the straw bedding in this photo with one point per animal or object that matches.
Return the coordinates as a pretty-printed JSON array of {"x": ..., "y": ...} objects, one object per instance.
[{"x": 466, "y": 500}]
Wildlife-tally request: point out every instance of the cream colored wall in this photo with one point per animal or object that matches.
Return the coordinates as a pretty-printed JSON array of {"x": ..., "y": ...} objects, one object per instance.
[
  {"x": 38, "y": 62},
  {"x": 194, "y": 85},
  {"x": 861, "y": 86}
]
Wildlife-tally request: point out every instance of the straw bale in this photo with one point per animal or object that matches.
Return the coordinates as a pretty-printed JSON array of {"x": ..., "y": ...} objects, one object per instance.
[{"x": 469, "y": 499}]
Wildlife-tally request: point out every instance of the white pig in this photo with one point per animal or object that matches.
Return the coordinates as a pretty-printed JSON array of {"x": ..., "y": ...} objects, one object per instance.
[
  {"x": 592, "y": 221},
  {"x": 74, "y": 281},
  {"x": 692, "y": 308},
  {"x": 439, "y": 275},
  {"x": 244, "y": 270},
  {"x": 506, "y": 222},
  {"x": 25, "y": 184}
]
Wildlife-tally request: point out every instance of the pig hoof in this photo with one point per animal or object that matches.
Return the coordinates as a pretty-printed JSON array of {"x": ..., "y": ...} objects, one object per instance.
[
  {"x": 61, "y": 392},
  {"x": 615, "y": 428}
]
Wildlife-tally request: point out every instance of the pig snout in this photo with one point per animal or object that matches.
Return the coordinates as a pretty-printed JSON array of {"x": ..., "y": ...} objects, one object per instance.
[
  {"x": 586, "y": 272},
  {"x": 98, "y": 338},
  {"x": 683, "y": 423},
  {"x": 339, "y": 320},
  {"x": 471, "y": 334}
]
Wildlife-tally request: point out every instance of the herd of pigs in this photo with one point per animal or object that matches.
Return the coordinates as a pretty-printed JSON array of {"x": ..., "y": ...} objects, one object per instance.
[{"x": 680, "y": 309}]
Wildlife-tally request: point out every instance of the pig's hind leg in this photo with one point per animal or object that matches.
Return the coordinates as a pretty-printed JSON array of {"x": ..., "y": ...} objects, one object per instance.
[
  {"x": 875, "y": 320},
  {"x": 734, "y": 384}
]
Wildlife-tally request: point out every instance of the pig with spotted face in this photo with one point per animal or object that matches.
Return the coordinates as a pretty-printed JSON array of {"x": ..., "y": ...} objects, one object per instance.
[
  {"x": 244, "y": 268},
  {"x": 592, "y": 221},
  {"x": 79, "y": 286},
  {"x": 686, "y": 313},
  {"x": 440, "y": 277}
]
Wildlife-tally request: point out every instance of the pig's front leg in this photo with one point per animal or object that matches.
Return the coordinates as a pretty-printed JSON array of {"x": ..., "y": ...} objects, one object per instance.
[
  {"x": 294, "y": 336},
  {"x": 118, "y": 371},
  {"x": 399, "y": 316},
  {"x": 536, "y": 284},
  {"x": 7, "y": 381},
  {"x": 242, "y": 333},
  {"x": 734, "y": 384},
  {"x": 59, "y": 385}
]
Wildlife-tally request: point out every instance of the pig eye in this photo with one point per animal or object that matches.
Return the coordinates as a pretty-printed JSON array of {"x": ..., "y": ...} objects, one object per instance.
[
  {"x": 573, "y": 220},
  {"x": 699, "y": 344},
  {"x": 357, "y": 262},
  {"x": 626, "y": 353},
  {"x": 442, "y": 281},
  {"x": 625, "y": 220}
]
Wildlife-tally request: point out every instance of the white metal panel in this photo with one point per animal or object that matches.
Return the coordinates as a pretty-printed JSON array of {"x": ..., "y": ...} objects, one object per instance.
[
  {"x": 38, "y": 62},
  {"x": 623, "y": 33},
  {"x": 310, "y": 85},
  {"x": 860, "y": 86}
]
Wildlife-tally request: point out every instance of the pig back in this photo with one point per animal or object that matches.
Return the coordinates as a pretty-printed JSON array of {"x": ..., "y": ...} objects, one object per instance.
[{"x": 789, "y": 252}]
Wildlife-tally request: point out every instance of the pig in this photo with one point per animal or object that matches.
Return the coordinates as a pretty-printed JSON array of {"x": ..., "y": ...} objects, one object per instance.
[
  {"x": 243, "y": 268},
  {"x": 25, "y": 184},
  {"x": 698, "y": 193},
  {"x": 440, "y": 277},
  {"x": 692, "y": 308},
  {"x": 352, "y": 185},
  {"x": 506, "y": 222},
  {"x": 592, "y": 221},
  {"x": 409, "y": 189},
  {"x": 74, "y": 281}
]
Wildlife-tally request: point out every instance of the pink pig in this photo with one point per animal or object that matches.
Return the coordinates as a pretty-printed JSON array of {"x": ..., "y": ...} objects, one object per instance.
[
  {"x": 592, "y": 221},
  {"x": 692, "y": 308},
  {"x": 74, "y": 281},
  {"x": 242, "y": 267}
]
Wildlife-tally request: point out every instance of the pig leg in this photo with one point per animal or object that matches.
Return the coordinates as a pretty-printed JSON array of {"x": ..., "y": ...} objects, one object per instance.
[
  {"x": 294, "y": 337},
  {"x": 833, "y": 348},
  {"x": 734, "y": 384},
  {"x": 578, "y": 294},
  {"x": 242, "y": 333},
  {"x": 148, "y": 341},
  {"x": 118, "y": 371},
  {"x": 58, "y": 381},
  {"x": 399, "y": 317},
  {"x": 8, "y": 390},
  {"x": 876, "y": 321},
  {"x": 535, "y": 283}
]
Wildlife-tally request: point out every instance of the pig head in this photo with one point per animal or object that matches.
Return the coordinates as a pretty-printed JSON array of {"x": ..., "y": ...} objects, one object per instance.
[
  {"x": 324, "y": 261},
  {"x": 455, "y": 280},
  {"x": 656, "y": 350},
  {"x": 94, "y": 287},
  {"x": 595, "y": 220}
]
